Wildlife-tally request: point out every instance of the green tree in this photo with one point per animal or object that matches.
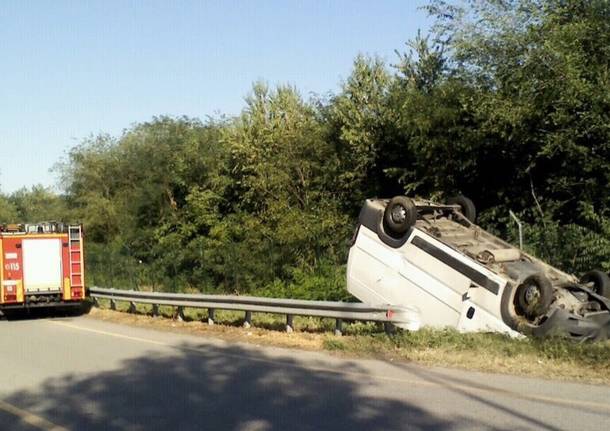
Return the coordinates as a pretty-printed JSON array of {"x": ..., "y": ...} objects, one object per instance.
[
  {"x": 8, "y": 212},
  {"x": 38, "y": 204},
  {"x": 284, "y": 191},
  {"x": 361, "y": 129}
]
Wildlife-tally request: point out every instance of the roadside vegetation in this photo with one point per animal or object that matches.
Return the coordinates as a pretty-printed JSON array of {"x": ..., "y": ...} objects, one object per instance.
[
  {"x": 505, "y": 102},
  {"x": 554, "y": 358}
]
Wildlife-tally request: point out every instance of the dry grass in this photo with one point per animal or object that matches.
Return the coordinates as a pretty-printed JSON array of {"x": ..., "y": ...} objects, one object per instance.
[
  {"x": 226, "y": 328},
  {"x": 554, "y": 358}
]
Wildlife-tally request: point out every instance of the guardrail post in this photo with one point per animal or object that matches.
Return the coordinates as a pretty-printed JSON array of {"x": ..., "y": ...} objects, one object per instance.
[
  {"x": 248, "y": 319},
  {"x": 132, "y": 307},
  {"x": 389, "y": 328},
  {"x": 338, "y": 327},
  {"x": 155, "y": 310},
  {"x": 289, "y": 323},
  {"x": 112, "y": 304},
  {"x": 180, "y": 314},
  {"x": 211, "y": 314},
  {"x": 96, "y": 303}
]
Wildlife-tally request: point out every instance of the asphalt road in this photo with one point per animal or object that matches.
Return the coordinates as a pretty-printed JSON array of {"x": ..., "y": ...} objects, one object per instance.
[{"x": 85, "y": 374}]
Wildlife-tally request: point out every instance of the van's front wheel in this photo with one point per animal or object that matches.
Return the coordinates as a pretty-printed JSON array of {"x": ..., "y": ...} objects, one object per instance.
[
  {"x": 600, "y": 282},
  {"x": 523, "y": 306},
  {"x": 533, "y": 297}
]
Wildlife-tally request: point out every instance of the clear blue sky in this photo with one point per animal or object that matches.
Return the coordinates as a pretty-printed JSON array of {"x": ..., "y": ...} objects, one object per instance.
[{"x": 74, "y": 68}]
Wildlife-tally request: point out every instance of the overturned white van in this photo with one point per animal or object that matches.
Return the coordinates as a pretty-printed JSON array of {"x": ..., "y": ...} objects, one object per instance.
[{"x": 431, "y": 256}]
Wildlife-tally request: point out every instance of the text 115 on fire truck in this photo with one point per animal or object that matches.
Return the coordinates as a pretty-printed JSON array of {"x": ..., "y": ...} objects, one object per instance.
[{"x": 41, "y": 265}]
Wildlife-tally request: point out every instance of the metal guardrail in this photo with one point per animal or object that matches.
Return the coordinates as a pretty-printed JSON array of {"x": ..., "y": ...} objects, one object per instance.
[{"x": 404, "y": 317}]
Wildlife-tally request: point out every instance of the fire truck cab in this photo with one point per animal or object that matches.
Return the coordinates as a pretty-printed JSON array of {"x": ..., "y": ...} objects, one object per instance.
[{"x": 41, "y": 265}]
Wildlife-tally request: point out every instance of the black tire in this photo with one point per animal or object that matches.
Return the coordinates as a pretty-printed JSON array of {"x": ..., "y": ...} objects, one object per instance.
[
  {"x": 600, "y": 280},
  {"x": 467, "y": 207},
  {"x": 400, "y": 215},
  {"x": 533, "y": 297}
]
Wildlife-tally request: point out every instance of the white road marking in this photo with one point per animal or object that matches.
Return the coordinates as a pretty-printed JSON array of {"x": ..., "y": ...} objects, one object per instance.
[{"x": 30, "y": 418}]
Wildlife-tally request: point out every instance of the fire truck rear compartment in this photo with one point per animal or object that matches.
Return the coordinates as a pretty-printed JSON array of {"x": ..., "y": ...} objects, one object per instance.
[{"x": 42, "y": 267}]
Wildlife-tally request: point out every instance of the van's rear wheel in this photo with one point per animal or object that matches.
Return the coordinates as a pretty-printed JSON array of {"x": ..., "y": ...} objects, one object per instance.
[
  {"x": 400, "y": 215},
  {"x": 467, "y": 207},
  {"x": 600, "y": 281}
]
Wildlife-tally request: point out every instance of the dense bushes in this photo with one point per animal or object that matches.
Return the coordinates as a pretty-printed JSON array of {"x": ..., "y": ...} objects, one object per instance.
[{"x": 506, "y": 102}]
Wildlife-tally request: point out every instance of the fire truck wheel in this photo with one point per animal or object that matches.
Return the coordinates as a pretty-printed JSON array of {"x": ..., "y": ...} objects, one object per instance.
[
  {"x": 533, "y": 297},
  {"x": 400, "y": 214},
  {"x": 600, "y": 280},
  {"x": 467, "y": 207}
]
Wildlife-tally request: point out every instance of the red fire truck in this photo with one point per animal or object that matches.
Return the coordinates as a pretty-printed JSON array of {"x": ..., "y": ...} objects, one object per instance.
[{"x": 41, "y": 265}]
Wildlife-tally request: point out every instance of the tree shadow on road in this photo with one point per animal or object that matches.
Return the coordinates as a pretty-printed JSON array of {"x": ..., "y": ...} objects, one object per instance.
[{"x": 219, "y": 388}]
